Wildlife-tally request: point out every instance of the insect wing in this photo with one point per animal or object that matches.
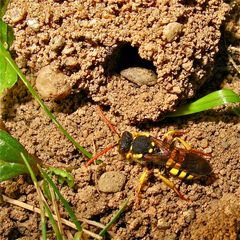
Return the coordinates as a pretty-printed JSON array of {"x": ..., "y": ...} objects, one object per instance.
[
  {"x": 162, "y": 148},
  {"x": 195, "y": 165},
  {"x": 154, "y": 159}
]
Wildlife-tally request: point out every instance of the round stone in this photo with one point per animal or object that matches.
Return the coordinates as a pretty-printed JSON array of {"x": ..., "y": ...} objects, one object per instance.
[{"x": 111, "y": 182}]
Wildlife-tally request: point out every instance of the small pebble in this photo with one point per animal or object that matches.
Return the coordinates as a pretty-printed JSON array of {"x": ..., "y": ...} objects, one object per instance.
[
  {"x": 208, "y": 150},
  {"x": 18, "y": 14},
  {"x": 225, "y": 145},
  {"x": 111, "y": 182},
  {"x": 140, "y": 76},
  {"x": 57, "y": 43},
  {"x": 162, "y": 224},
  {"x": 189, "y": 215},
  {"x": 171, "y": 30},
  {"x": 52, "y": 84},
  {"x": 204, "y": 143},
  {"x": 172, "y": 236},
  {"x": 33, "y": 23},
  {"x": 71, "y": 62},
  {"x": 222, "y": 172},
  {"x": 68, "y": 50}
]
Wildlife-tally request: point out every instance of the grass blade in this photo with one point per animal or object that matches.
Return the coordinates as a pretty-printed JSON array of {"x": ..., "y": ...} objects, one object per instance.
[
  {"x": 236, "y": 111},
  {"x": 53, "y": 222},
  {"x": 11, "y": 149},
  {"x": 62, "y": 199},
  {"x": 11, "y": 161},
  {"x": 114, "y": 218},
  {"x": 6, "y": 34},
  {"x": 209, "y": 101},
  {"x": 41, "y": 202},
  {"x": 8, "y": 76}
]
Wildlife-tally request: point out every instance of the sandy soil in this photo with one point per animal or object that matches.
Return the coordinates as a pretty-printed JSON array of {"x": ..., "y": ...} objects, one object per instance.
[{"x": 86, "y": 45}]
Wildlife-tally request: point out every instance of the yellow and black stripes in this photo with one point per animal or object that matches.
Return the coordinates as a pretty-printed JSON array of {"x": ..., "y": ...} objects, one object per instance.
[
  {"x": 174, "y": 164},
  {"x": 181, "y": 174}
]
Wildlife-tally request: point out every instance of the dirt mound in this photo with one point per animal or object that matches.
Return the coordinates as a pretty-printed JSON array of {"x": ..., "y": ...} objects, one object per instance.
[{"x": 91, "y": 42}]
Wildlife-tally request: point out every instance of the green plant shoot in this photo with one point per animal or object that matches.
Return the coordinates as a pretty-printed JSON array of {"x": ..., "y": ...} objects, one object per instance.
[
  {"x": 8, "y": 76},
  {"x": 11, "y": 162},
  {"x": 209, "y": 101}
]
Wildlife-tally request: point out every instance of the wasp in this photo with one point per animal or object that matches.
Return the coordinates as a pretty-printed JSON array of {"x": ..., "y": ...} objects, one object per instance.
[{"x": 184, "y": 162}]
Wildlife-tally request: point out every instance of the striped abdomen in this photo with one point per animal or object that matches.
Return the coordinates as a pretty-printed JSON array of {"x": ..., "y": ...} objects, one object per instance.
[{"x": 187, "y": 165}]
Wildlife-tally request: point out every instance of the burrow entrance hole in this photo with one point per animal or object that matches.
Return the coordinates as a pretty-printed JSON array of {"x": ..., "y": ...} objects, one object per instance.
[{"x": 122, "y": 57}]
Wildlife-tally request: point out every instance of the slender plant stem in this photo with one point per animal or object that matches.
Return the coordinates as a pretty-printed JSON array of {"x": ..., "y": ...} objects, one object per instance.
[
  {"x": 64, "y": 221},
  {"x": 41, "y": 203},
  {"x": 62, "y": 199},
  {"x": 115, "y": 217},
  {"x": 55, "y": 208}
]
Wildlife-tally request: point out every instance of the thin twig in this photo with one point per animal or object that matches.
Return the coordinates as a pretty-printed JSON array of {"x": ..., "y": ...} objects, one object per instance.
[
  {"x": 93, "y": 223},
  {"x": 55, "y": 208},
  {"x": 40, "y": 199},
  {"x": 233, "y": 63},
  {"x": 37, "y": 210}
]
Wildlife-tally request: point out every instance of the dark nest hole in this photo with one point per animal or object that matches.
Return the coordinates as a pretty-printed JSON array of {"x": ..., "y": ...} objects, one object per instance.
[{"x": 124, "y": 56}]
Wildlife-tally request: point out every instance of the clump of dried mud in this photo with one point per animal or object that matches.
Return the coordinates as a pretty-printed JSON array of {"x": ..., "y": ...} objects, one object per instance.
[
  {"x": 83, "y": 41},
  {"x": 91, "y": 42}
]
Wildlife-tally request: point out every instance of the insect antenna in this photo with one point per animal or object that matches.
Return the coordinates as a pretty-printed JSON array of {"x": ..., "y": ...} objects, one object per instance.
[
  {"x": 112, "y": 128},
  {"x": 90, "y": 161}
]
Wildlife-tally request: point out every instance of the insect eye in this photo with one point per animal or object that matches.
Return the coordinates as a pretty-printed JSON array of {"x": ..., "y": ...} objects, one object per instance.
[{"x": 125, "y": 142}]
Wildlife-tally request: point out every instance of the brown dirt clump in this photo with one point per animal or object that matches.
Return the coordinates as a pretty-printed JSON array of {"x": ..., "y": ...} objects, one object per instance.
[
  {"x": 220, "y": 221},
  {"x": 91, "y": 42}
]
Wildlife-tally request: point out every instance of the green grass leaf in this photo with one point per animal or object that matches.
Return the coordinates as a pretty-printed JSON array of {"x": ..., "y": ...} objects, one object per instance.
[
  {"x": 11, "y": 161},
  {"x": 11, "y": 149},
  {"x": 236, "y": 111},
  {"x": 63, "y": 176},
  {"x": 53, "y": 222},
  {"x": 40, "y": 199},
  {"x": 209, "y": 101},
  {"x": 8, "y": 76},
  {"x": 6, "y": 34},
  {"x": 10, "y": 170},
  {"x": 114, "y": 218}
]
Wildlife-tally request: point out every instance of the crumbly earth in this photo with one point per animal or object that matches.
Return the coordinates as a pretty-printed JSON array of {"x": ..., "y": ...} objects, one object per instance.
[
  {"x": 92, "y": 41},
  {"x": 214, "y": 212}
]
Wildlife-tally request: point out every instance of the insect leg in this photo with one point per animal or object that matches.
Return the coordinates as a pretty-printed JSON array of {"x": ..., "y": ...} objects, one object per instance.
[
  {"x": 169, "y": 184},
  {"x": 174, "y": 135},
  {"x": 142, "y": 180},
  {"x": 184, "y": 143},
  {"x": 198, "y": 152}
]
